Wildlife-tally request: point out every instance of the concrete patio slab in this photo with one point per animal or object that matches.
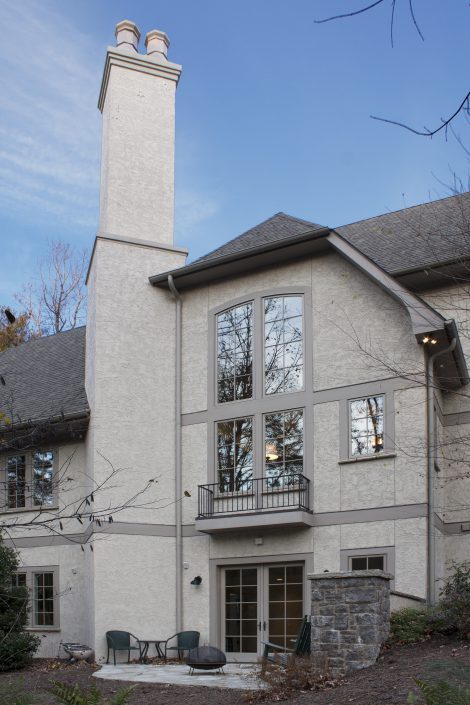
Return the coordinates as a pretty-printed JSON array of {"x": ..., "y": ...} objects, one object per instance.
[{"x": 236, "y": 675}]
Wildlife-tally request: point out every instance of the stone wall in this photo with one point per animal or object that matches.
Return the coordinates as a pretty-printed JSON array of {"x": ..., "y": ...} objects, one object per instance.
[{"x": 350, "y": 618}]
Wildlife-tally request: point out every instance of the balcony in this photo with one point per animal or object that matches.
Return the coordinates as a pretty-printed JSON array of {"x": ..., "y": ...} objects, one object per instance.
[{"x": 265, "y": 502}]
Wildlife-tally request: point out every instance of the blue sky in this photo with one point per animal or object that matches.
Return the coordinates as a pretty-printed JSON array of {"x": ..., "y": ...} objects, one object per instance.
[{"x": 272, "y": 114}]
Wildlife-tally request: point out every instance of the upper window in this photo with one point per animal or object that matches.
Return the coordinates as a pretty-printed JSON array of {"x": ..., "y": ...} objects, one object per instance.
[
  {"x": 367, "y": 425},
  {"x": 283, "y": 344},
  {"x": 29, "y": 480},
  {"x": 234, "y": 454},
  {"x": 284, "y": 446},
  {"x": 235, "y": 353},
  {"x": 369, "y": 562}
]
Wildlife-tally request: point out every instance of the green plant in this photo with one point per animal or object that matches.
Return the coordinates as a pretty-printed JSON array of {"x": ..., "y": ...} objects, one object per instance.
[
  {"x": 455, "y": 600},
  {"x": 410, "y": 625},
  {"x": 75, "y": 695},
  {"x": 17, "y": 646},
  {"x": 439, "y": 693}
]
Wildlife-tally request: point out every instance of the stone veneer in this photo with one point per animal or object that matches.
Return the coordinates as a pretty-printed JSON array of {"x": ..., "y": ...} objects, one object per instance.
[{"x": 350, "y": 618}]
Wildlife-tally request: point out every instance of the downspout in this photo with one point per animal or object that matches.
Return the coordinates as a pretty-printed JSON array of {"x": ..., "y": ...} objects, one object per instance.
[
  {"x": 431, "y": 572},
  {"x": 178, "y": 465}
]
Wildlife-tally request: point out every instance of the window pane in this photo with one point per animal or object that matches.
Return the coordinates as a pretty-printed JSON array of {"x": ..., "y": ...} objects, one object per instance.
[
  {"x": 283, "y": 358},
  {"x": 376, "y": 563},
  {"x": 42, "y": 465},
  {"x": 235, "y": 353},
  {"x": 283, "y": 446},
  {"x": 234, "y": 454},
  {"x": 367, "y": 425},
  {"x": 16, "y": 481},
  {"x": 43, "y": 612},
  {"x": 359, "y": 563}
]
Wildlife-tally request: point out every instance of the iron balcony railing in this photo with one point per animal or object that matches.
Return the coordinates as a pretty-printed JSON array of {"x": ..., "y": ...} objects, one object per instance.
[{"x": 289, "y": 491}]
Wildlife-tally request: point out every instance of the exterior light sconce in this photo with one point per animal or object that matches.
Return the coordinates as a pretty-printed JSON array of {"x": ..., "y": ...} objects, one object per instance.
[
  {"x": 428, "y": 340},
  {"x": 196, "y": 581}
]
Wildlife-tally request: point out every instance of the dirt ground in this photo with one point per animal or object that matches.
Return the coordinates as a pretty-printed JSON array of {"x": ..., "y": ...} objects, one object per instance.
[{"x": 388, "y": 682}]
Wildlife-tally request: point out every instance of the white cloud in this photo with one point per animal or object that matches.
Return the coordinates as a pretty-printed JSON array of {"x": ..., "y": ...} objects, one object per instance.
[{"x": 49, "y": 124}]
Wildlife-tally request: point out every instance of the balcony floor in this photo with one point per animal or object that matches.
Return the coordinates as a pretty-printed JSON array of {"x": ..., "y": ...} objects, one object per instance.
[{"x": 285, "y": 518}]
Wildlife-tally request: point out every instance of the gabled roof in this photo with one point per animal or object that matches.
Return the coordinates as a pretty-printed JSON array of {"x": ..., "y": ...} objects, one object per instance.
[
  {"x": 279, "y": 227},
  {"x": 45, "y": 378},
  {"x": 427, "y": 235}
]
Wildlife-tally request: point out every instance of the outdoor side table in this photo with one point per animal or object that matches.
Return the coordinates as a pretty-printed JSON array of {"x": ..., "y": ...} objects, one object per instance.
[{"x": 146, "y": 644}]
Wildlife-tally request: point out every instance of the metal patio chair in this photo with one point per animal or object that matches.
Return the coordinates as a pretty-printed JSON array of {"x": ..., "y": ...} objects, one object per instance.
[
  {"x": 121, "y": 641},
  {"x": 184, "y": 642}
]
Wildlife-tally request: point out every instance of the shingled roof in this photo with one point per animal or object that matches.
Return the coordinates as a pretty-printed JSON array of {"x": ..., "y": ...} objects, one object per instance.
[
  {"x": 45, "y": 378},
  {"x": 422, "y": 236},
  {"x": 279, "y": 227}
]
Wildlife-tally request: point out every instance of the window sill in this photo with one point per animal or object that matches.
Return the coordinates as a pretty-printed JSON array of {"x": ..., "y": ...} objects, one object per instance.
[
  {"x": 43, "y": 629},
  {"x": 40, "y": 508},
  {"x": 362, "y": 458}
]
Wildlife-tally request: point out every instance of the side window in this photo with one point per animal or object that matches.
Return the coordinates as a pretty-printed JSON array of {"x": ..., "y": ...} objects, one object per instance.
[
  {"x": 366, "y": 425},
  {"x": 234, "y": 454},
  {"x": 42, "y": 464},
  {"x": 43, "y": 586},
  {"x": 29, "y": 480},
  {"x": 235, "y": 353},
  {"x": 284, "y": 446},
  {"x": 283, "y": 344},
  {"x": 367, "y": 562},
  {"x": 16, "y": 481}
]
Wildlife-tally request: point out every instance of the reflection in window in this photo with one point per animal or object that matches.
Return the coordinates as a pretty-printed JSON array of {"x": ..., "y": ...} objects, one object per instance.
[
  {"x": 42, "y": 462},
  {"x": 283, "y": 345},
  {"x": 235, "y": 454},
  {"x": 367, "y": 563},
  {"x": 284, "y": 447},
  {"x": 16, "y": 481},
  {"x": 235, "y": 353},
  {"x": 367, "y": 425}
]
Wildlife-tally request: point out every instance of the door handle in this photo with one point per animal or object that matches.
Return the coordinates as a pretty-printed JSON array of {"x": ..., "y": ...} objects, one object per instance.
[
  {"x": 259, "y": 626},
  {"x": 264, "y": 626}
]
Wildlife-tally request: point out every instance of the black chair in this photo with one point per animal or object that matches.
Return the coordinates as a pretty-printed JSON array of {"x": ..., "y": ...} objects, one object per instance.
[
  {"x": 184, "y": 642},
  {"x": 121, "y": 641},
  {"x": 301, "y": 645}
]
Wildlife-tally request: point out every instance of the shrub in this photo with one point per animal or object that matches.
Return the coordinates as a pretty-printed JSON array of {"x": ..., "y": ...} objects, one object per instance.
[
  {"x": 75, "y": 695},
  {"x": 409, "y": 625},
  {"x": 455, "y": 600},
  {"x": 440, "y": 693},
  {"x": 298, "y": 673},
  {"x": 17, "y": 646}
]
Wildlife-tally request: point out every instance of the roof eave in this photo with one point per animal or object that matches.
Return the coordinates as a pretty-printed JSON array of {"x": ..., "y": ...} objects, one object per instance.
[{"x": 240, "y": 262}]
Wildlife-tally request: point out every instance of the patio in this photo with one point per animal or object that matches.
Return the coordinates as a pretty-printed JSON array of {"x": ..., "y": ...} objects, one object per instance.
[{"x": 239, "y": 676}]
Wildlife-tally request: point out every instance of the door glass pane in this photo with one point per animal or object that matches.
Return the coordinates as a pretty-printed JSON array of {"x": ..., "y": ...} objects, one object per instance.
[
  {"x": 285, "y": 603},
  {"x": 241, "y": 610}
]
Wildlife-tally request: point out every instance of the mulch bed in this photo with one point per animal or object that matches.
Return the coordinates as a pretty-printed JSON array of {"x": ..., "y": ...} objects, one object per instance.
[{"x": 388, "y": 682}]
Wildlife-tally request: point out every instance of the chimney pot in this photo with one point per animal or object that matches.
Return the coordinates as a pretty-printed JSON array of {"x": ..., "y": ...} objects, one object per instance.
[
  {"x": 127, "y": 33},
  {"x": 157, "y": 42}
]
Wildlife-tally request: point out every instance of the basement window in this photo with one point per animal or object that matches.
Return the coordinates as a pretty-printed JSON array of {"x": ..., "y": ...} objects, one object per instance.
[{"x": 367, "y": 563}]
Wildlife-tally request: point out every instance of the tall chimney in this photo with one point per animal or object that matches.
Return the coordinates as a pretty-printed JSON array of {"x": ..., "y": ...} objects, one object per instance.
[{"x": 137, "y": 100}]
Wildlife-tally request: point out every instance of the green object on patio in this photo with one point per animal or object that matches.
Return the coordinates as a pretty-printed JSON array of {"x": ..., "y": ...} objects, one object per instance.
[
  {"x": 184, "y": 642},
  {"x": 301, "y": 645},
  {"x": 121, "y": 641}
]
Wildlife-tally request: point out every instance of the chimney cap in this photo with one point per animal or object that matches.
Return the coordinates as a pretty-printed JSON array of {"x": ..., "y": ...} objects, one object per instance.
[
  {"x": 157, "y": 42},
  {"x": 127, "y": 32}
]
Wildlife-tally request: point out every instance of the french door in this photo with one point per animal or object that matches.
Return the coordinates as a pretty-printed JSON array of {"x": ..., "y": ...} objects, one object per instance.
[{"x": 260, "y": 603}]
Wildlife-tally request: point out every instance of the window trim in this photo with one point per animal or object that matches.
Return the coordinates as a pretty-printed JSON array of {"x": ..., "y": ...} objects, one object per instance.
[
  {"x": 387, "y": 551},
  {"x": 29, "y": 506},
  {"x": 30, "y": 572},
  {"x": 370, "y": 389}
]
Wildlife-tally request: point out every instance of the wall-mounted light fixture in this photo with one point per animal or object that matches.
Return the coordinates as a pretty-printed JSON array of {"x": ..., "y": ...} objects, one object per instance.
[{"x": 197, "y": 580}]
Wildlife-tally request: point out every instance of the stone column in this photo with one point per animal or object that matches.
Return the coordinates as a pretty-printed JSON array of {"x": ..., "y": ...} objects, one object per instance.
[{"x": 350, "y": 618}]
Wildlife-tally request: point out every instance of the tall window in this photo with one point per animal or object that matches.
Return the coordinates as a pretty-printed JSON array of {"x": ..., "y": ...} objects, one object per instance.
[
  {"x": 283, "y": 344},
  {"x": 235, "y": 353},
  {"x": 284, "y": 446},
  {"x": 367, "y": 425},
  {"x": 16, "y": 481},
  {"x": 42, "y": 463},
  {"x": 234, "y": 454},
  {"x": 43, "y": 599}
]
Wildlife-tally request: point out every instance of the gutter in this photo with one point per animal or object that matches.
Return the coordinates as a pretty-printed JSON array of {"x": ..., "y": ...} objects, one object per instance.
[
  {"x": 200, "y": 266},
  {"x": 431, "y": 536},
  {"x": 178, "y": 464}
]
